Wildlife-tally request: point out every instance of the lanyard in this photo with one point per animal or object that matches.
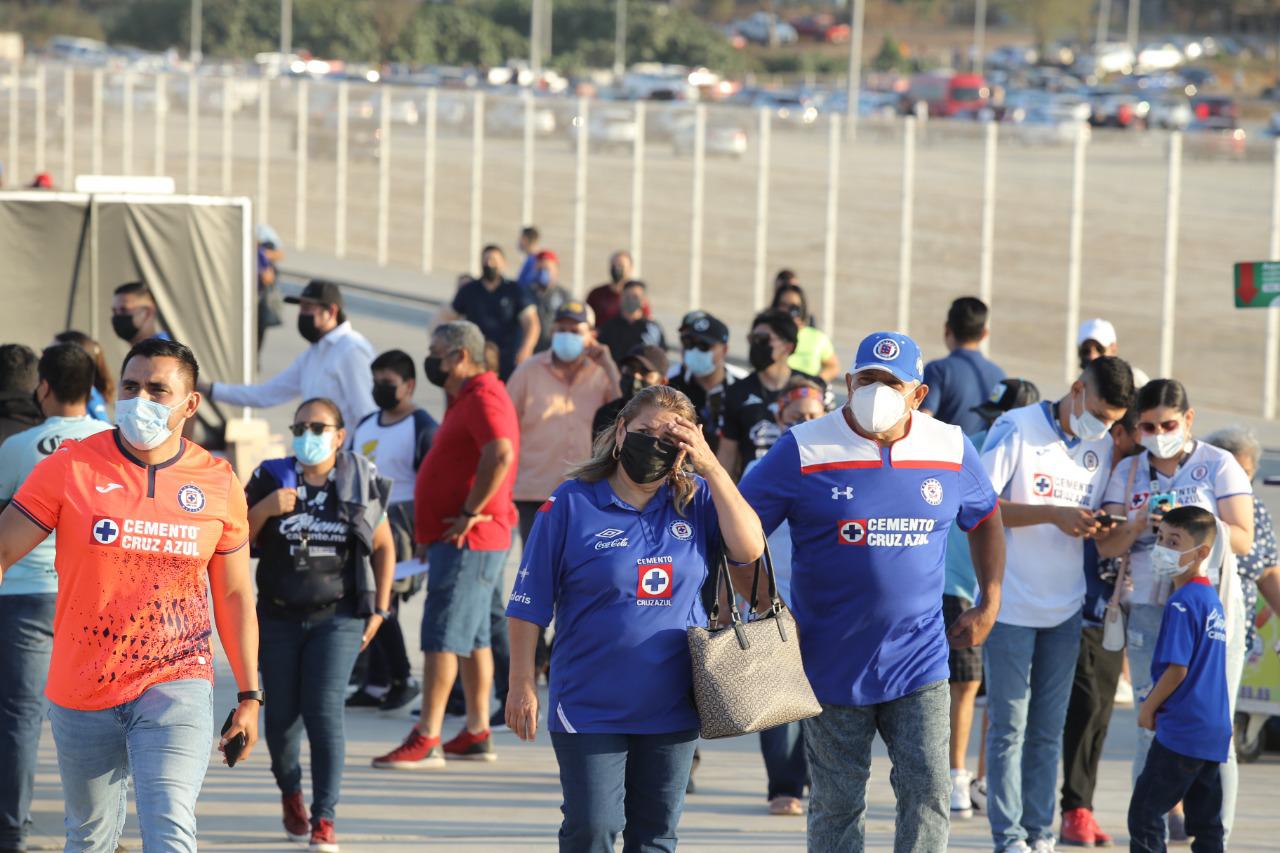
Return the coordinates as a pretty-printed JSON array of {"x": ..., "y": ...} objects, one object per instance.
[
  {"x": 1155, "y": 475},
  {"x": 313, "y": 504}
]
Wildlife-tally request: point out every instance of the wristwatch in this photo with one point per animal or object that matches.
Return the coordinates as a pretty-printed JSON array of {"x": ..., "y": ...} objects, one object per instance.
[
  {"x": 246, "y": 695},
  {"x": 385, "y": 614},
  {"x": 468, "y": 513}
]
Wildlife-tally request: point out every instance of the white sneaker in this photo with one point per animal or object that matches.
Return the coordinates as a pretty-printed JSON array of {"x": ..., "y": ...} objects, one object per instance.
[
  {"x": 1043, "y": 845},
  {"x": 978, "y": 794},
  {"x": 961, "y": 804},
  {"x": 1124, "y": 691},
  {"x": 1018, "y": 846}
]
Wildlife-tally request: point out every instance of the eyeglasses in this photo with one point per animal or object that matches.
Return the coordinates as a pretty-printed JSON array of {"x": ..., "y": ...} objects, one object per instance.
[
  {"x": 316, "y": 428},
  {"x": 1148, "y": 428}
]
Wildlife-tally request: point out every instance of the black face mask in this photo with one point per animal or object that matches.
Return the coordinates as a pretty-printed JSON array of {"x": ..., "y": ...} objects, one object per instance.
[
  {"x": 384, "y": 396},
  {"x": 436, "y": 374},
  {"x": 489, "y": 272},
  {"x": 124, "y": 326},
  {"x": 761, "y": 354},
  {"x": 307, "y": 328},
  {"x": 630, "y": 383},
  {"x": 646, "y": 459},
  {"x": 615, "y": 273}
]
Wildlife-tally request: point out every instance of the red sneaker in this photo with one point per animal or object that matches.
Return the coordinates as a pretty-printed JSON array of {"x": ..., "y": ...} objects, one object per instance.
[
  {"x": 469, "y": 747},
  {"x": 1100, "y": 838},
  {"x": 296, "y": 823},
  {"x": 1077, "y": 828},
  {"x": 418, "y": 752},
  {"x": 323, "y": 838}
]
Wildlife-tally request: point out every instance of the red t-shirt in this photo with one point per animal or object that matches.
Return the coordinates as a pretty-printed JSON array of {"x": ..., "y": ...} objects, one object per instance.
[
  {"x": 133, "y": 551},
  {"x": 482, "y": 412}
]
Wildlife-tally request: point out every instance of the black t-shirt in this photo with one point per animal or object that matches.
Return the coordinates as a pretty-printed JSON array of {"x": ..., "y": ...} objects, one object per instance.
[
  {"x": 622, "y": 336},
  {"x": 750, "y": 416},
  {"x": 497, "y": 313},
  {"x": 708, "y": 404},
  {"x": 286, "y": 589},
  {"x": 548, "y": 301},
  {"x": 606, "y": 415}
]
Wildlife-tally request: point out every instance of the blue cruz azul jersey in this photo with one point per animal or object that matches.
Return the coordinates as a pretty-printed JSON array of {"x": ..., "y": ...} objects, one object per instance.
[
  {"x": 623, "y": 585},
  {"x": 1196, "y": 719},
  {"x": 869, "y": 531}
]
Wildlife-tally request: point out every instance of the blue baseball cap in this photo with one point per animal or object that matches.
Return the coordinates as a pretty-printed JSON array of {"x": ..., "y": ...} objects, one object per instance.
[{"x": 891, "y": 352}]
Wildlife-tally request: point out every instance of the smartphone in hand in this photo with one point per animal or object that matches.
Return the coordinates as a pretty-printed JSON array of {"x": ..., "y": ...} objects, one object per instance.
[{"x": 236, "y": 745}]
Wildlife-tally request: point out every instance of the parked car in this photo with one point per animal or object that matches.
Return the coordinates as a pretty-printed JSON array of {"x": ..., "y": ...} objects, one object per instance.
[
  {"x": 756, "y": 29},
  {"x": 947, "y": 95},
  {"x": 1216, "y": 111},
  {"x": 821, "y": 27},
  {"x": 1169, "y": 113},
  {"x": 1115, "y": 107},
  {"x": 722, "y": 140},
  {"x": 608, "y": 128}
]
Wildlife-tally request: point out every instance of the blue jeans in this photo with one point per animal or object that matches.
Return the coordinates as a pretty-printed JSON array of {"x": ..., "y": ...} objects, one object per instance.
[
  {"x": 163, "y": 738},
  {"x": 1169, "y": 778},
  {"x": 1029, "y": 675},
  {"x": 612, "y": 783},
  {"x": 917, "y": 730},
  {"x": 460, "y": 585},
  {"x": 26, "y": 640},
  {"x": 784, "y": 761},
  {"x": 305, "y": 668}
]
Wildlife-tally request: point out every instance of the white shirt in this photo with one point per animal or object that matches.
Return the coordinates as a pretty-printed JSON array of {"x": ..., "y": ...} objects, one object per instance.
[
  {"x": 1030, "y": 460},
  {"x": 337, "y": 366},
  {"x": 1207, "y": 475},
  {"x": 392, "y": 449}
]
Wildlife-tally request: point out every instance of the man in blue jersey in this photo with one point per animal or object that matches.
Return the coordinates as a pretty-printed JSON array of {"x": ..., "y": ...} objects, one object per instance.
[
  {"x": 870, "y": 492},
  {"x": 30, "y": 586}
]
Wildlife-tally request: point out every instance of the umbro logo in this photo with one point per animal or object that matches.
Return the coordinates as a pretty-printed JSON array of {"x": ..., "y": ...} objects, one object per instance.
[
  {"x": 752, "y": 400},
  {"x": 609, "y": 533},
  {"x": 109, "y": 487}
]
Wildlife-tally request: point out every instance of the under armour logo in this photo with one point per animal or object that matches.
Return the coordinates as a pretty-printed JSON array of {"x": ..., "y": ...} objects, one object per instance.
[{"x": 846, "y": 493}]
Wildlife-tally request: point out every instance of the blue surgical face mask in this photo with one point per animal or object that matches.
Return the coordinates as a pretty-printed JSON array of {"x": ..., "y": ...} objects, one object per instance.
[
  {"x": 312, "y": 449},
  {"x": 144, "y": 423},
  {"x": 700, "y": 362},
  {"x": 544, "y": 278},
  {"x": 567, "y": 346}
]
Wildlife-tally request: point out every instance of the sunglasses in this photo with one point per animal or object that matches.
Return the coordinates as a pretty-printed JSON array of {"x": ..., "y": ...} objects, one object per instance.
[
  {"x": 690, "y": 343},
  {"x": 1148, "y": 428},
  {"x": 316, "y": 428},
  {"x": 759, "y": 339}
]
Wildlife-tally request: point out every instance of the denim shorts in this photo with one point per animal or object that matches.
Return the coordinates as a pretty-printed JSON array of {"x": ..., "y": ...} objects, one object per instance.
[{"x": 459, "y": 593}]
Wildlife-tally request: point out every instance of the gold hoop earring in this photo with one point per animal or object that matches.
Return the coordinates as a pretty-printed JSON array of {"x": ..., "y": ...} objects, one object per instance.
[{"x": 617, "y": 450}]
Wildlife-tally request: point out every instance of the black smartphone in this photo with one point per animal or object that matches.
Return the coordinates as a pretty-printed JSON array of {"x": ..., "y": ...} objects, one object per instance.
[
  {"x": 1106, "y": 520},
  {"x": 236, "y": 745}
]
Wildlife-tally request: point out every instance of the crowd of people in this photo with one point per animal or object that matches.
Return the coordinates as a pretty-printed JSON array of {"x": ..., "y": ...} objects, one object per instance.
[{"x": 940, "y": 532}]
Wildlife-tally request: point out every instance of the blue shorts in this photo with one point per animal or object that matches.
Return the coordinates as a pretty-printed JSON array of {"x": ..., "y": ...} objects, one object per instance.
[{"x": 459, "y": 594}]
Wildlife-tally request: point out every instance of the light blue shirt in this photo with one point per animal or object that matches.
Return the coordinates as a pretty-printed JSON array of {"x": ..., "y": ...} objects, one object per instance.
[
  {"x": 34, "y": 574},
  {"x": 962, "y": 580}
]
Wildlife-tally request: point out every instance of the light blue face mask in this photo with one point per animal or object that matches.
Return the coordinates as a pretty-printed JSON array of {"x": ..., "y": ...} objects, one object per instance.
[
  {"x": 567, "y": 346},
  {"x": 312, "y": 449},
  {"x": 700, "y": 362},
  {"x": 544, "y": 277},
  {"x": 144, "y": 423}
]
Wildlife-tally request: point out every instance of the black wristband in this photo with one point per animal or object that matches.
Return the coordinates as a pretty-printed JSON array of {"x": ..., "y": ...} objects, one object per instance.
[
  {"x": 246, "y": 695},
  {"x": 385, "y": 614},
  {"x": 468, "y": 513}
]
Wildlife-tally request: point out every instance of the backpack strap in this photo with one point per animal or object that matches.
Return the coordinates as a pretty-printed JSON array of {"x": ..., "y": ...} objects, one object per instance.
[
  {"x": 424, "y": 430},
  {"x": 283, "y": 471}
]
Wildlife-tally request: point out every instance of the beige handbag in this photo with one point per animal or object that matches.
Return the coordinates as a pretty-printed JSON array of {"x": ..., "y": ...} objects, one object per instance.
[
  {"x": 748, "y": 676},
  {"x": 1115, "y": 623}
]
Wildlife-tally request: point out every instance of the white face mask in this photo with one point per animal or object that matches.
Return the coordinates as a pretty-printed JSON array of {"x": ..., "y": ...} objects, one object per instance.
[
  {"x": 877, "y": 408},
  {"x": 144, "y": 423},
  {"x": 1166, "y": 562},
  {"x": 1086, "y": 426},
  {"x": 1165, "y": 445}
]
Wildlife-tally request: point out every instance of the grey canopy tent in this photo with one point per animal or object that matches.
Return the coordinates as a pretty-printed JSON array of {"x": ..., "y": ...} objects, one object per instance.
[{"x": 62, "y": 255}]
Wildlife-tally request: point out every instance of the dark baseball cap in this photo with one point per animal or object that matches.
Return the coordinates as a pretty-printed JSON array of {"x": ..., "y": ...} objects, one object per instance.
[
  {"x": 1006, "y": 395},
  {"x": 572, "y": 310},
  {"x": 651, "y": 358},
  {"x": 704, "y": 327},
  {"x": 319, "y": 291}
]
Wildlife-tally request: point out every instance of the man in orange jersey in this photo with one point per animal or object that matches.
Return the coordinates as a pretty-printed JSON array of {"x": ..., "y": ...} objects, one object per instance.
[{"x": 147, "y": 525}]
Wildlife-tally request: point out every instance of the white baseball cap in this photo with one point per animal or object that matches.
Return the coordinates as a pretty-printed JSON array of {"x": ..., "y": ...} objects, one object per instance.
[{"x": 1098, "y": 330}]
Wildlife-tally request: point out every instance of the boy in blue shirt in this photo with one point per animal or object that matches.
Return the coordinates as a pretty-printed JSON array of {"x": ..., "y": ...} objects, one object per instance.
[{"x": 1187, "y": 706}]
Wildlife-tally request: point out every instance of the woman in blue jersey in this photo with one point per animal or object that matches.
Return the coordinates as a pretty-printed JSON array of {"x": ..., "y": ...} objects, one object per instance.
[
  {"x": 618, "y": 556},
  {"x": 1174, "y": 469}
]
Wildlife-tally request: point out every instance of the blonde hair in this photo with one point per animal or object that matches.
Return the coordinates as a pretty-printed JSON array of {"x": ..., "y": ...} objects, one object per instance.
[{"x": 603, "y": 463}]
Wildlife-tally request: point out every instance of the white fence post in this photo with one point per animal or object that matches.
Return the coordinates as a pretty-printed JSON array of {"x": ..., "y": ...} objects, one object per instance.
[
  {"x": 833, "y": 213},
  {"x": 1273, "y": 312},
  {"x": 1173, "y": 201},
  {"x": 300, "y": 178},
  {"x": 340, "y": 194},
  {"x": 762, "y": 210},
  {"x": 15, "y": 86},
  {"x": 126, "y": 126},
  {"x": 477, "y": 176},
  {"x": 637, "y": 190},
  {"x": 1075, "y": 249},
  {"x": 988, "y": 219},
  {"x": 41, "y": 135},
  {"x": 384, "y": 173},
  {"x": 225, "y": 148},
  {"x": 908, "y": 215},
  {"x": 526, "y": 178},
  {"x": 193, "y": 131},
  {"x": 68, "y": 125},
  {"x": 96, "y": 160},
  {"x": 161, "y": 116},
  {"x": 429, "y": 184},
  {"x": 262, "y": 206},
  {"x": 580, "y": 202},
  {"x": 695, "y": 226}
]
